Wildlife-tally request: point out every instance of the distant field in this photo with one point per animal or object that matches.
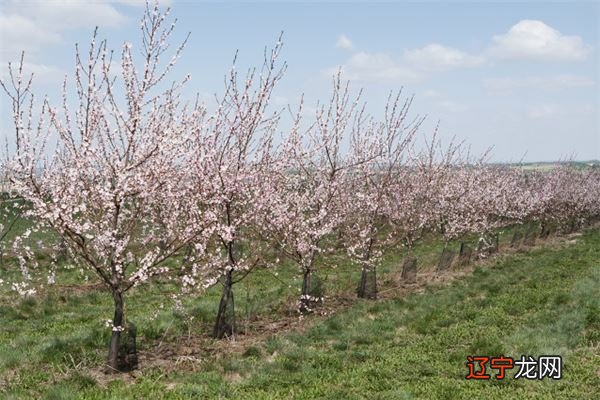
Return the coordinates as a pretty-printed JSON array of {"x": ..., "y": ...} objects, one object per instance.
[
  {"x": 540, "y": 301},
  {"x": 539, "y": 167},
  {"x": 546, "y": 166}
]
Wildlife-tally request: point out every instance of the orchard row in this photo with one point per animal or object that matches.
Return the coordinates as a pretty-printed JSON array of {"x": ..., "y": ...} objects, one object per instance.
[{"x": 132, "y": 176}]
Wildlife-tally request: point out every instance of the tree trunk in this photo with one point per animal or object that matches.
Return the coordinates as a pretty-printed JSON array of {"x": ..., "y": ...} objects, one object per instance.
[
  {"x": 543, "y": 229},
  {"x": 115, "y": 341},
  {"x": 305, "y": 296},
  {"x": 465, "y": 253},
  {"x": 446, "y": 258},
  {"x": 225, "y": 323},
  {"x": 367, "y": 288},
  {"x": 496, "y": 243},
  {"x": 362, "y": 285}
]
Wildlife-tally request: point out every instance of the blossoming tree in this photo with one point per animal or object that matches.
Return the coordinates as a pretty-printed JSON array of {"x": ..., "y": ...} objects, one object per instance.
[
  {"x": 231, "y": 164},
  {"x": 104, "y": 176},
  {"x": 384, "y": 144},
  {"x": 307, "y": 208}
]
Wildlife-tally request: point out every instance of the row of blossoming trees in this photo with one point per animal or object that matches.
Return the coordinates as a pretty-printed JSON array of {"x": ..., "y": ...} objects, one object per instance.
[{"x": 133, "y": 175}]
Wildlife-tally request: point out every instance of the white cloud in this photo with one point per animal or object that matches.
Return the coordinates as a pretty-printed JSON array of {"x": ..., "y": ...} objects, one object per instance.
[
  {"x": 413, "y": 66},
  {"x": 552, "y": 82},
  {"x": 35, "y": 25},
  {"x": 21, "y": 33},
  {"x": 343, "y": 42},
  {"x": 431, "y": 94},
  {"x": 435, "y": 57},
  {"x": 587, "y": 109},
  {"x": 42, "y": 74},
  {"x": 32, "y": 25},
  {"x": 376, "y": 68},
  {"x": 545, "y": 111},
  {"x": 140, "y": 3},
  {"x": 534, "y": 40},
  {"x": 528, "y": 39},
  {"x": 453, "y": 106},
  {"x": 60, "y": 15},
  {"x": 440, "y": 100}
]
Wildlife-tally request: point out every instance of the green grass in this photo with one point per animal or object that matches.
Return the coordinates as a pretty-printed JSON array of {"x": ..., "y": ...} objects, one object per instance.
[{"x": 539, "y": 302}]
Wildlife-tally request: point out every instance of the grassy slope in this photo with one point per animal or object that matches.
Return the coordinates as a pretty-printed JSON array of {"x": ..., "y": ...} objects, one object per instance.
[{"x": 541, "y": 302}]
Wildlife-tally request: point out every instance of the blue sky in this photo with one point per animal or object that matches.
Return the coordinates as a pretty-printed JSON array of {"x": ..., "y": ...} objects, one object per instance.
[{"x": 521, "y": 77}]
